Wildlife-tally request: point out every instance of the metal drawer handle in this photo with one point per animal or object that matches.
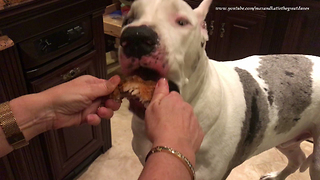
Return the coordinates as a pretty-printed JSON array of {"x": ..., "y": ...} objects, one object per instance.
[
  {"x": 71, "y": 74},
  {"x": 222, "y": 30},
  {"x": 211, "y": 28}
]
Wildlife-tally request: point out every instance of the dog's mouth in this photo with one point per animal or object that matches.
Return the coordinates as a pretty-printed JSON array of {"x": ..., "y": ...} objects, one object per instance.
[
  {"x": 147, "y": 74},
  {"x": 153, "y": 75}
]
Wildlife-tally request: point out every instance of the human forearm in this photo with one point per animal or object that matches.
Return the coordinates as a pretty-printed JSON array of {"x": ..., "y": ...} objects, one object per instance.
[
  {"x": 32, "y": 117},
  {"x": 165, "y": 164},
  {"x": 170, "y": 122},
  {"x": 69, "y": 104},
  {"x": 33, "y": 114}
]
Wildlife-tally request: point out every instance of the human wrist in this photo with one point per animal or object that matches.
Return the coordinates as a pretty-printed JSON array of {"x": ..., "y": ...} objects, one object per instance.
[
  {"x": 10, "y": 128},
  {"x": 164, "y": 165},
  {"x": 33, "y": 114},
  {"x": 176, "y": 154},
  {"x": 183, "y": 147}
]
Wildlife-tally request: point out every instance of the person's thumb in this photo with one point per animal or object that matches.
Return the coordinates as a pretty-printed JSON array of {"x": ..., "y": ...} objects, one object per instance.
[
  {"x": 105, "y": 87},
  {"x": 112, "y": 83},
  {"x": 161, "y": 90}
]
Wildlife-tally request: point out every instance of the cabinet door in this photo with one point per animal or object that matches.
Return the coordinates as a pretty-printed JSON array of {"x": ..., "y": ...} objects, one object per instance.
[
  {"x": 68, "y": 147},
  {"x": 239, "y": 35},
  {"x": 303, "y": 31},
  {"x": 212, "y": 21}
]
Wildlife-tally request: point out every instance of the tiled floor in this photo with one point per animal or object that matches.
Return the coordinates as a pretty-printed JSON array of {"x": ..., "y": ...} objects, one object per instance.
[{"x": 120, "y": 163}]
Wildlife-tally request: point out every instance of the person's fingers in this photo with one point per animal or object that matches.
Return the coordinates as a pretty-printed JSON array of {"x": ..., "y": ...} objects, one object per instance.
[
  {"x": 93, "y": 119},
  {"x": 161, "y": 90},
  {"x": 105, "y": 113},
  {"x": 104, "y": 88},
  {"x": 175, "y": 95},
  {"x": 110, "y": 103}
]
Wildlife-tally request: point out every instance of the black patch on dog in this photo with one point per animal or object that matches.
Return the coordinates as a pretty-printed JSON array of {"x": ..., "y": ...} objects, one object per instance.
[
  {"x": 270, "y": 97},
  {"x": 256, "y": 118}
]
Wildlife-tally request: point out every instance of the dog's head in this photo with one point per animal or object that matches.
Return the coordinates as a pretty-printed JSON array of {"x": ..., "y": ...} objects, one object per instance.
[{"x": 163, "y": 38}]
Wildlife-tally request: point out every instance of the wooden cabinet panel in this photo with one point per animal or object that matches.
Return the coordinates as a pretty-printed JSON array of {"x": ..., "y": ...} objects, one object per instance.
[
  {"x": 75, "y": 139},
  {"x": 69, "y": 71},
  {"x": 68, "y": 147},
  {"x": 234, "y": 34},
  {"x": 239, "y": 35},
  {"x": 212, "y": 21},
  {"x": 303, "y": 31}
]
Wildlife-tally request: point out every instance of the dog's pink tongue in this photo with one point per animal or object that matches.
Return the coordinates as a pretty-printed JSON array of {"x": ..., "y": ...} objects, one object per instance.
[{"x": 137, "y": 108}]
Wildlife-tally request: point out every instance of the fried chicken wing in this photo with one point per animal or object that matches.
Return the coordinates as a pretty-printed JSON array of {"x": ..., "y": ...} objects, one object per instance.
[{"x": 134, "y": 87}]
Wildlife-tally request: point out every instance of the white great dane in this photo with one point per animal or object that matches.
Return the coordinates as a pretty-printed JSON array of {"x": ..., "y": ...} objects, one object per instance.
[{"x": 245, "y": 107}]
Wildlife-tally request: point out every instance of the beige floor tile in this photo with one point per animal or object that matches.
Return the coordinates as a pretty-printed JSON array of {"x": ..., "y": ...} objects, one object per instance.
[{"x": 266, "y": 162}]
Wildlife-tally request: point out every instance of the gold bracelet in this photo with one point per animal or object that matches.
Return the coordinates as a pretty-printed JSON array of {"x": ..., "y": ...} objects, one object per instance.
[
  {"x": 10, "y": 127},
  {"x": 177, "y": 154}
]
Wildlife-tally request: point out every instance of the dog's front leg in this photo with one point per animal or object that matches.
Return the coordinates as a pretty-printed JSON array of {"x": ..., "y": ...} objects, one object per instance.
[
  {"x": 295, "y": 158},
  {"x": 140, "y": 143},
  {"x": 315, "y": 161}
]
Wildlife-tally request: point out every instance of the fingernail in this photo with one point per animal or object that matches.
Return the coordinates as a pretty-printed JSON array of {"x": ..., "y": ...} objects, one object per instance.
[{"x": 162, "y": 82}]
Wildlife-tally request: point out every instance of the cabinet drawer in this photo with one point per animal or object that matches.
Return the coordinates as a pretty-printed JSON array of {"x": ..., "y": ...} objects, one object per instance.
[{"x": 67, "y": 72}]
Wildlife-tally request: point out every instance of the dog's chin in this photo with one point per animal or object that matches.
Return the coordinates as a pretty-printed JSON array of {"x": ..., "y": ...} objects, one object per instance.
[{"x": 147, "y": 74}]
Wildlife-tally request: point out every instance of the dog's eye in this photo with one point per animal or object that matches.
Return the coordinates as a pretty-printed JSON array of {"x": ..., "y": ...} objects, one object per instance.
[
  {"x": 127, "y": 21},
  {"x": 182, "y": 22}
]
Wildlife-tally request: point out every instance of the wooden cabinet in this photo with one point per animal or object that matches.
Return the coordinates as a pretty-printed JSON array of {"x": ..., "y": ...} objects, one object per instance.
[
  {"x": 238, "y": 35},
  {"x": 303, "y": 30},
  {"x": 64, "y": 153},
  {"x": 235, "y": 34}
]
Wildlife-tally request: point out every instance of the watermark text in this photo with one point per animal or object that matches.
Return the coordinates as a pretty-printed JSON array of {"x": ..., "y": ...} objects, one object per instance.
[{"x": 266, "y": 8}]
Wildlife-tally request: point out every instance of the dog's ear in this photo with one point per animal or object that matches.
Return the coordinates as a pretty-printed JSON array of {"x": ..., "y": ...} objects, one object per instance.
[
  {"x": 203, "y": 9},
  {"x": 201, "y": 12}
]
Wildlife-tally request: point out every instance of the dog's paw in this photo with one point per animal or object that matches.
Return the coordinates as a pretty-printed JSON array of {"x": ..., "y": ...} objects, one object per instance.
[{"x": 270, "y": 176}]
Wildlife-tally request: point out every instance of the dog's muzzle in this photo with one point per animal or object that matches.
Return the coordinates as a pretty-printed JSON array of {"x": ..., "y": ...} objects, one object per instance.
[
  {"x": 138, "y": 41},
  {"x": 143, "y": 56}
]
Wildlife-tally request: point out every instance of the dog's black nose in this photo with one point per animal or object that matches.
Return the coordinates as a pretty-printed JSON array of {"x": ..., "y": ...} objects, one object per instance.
[{"x": 138, "y": 41}]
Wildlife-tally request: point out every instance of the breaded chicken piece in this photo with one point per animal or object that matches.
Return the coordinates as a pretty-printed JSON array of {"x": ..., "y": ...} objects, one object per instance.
[{"x": 134, "y": 87}]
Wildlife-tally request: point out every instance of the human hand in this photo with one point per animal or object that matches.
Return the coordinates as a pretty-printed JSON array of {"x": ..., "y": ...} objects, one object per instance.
[
  {"x": 171, "y": 122},
  {"x": 79, "y": 101}
]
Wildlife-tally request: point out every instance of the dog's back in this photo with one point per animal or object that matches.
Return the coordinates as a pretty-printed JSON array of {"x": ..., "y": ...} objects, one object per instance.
[{"x": 282, "y": 98}]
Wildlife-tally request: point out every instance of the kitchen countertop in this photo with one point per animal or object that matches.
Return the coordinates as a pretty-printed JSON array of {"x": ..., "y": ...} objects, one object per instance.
[
  {"x": 112, "y": 24},
  {"x": 9, "y": 3}
]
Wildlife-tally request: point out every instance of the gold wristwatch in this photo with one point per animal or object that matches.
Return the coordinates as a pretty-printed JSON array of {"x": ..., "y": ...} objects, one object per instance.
[{"x": 10, "y": 127}]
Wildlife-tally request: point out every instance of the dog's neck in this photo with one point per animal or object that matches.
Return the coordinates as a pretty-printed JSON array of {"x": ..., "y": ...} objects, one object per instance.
[
  {"x": 204, "y": 83},
  {"x": 195, "y": 84}
]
